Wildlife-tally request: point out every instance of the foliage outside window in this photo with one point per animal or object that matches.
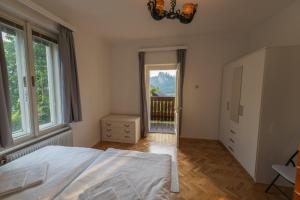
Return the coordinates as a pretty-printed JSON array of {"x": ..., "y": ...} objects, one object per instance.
[{"x": 10, "y": 54}]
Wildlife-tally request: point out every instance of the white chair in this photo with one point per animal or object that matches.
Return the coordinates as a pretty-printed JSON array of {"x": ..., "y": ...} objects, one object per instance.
[{"x": 287, "y": 171}]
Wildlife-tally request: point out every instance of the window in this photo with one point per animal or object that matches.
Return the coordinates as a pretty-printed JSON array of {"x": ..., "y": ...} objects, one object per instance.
[
  {"x": 47, "y": 92},
  {"x": 34, "y": 80}
]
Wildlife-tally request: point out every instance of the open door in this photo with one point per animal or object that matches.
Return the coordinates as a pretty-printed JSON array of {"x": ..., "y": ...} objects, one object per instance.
[
  {"x": 161, "y": 86},
  {"x": 178, "y": 108}
]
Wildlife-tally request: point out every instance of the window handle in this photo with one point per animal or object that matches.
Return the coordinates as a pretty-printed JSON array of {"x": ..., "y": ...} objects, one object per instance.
[
  {"x": 24, "y": 81},
  {"x": 33, "y": 81}
]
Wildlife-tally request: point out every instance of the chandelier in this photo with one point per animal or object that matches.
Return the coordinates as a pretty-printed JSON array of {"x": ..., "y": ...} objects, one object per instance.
[{"x": 156, "y": 8}]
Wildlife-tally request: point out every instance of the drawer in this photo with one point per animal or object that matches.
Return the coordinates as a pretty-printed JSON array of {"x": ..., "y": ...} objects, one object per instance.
[
  {"x": 125, "y": 138},
  {"x": 233, "y": 133},
  {"x": 232, "y": 136},
  {"x": 107, "y": 130},
  {"x": 118, "y": 135},
  {"x": 118, "y": 131},
  {"x": 118, "y": 124},
  {"x": 231, "y": 142},
  {"x": 118, "y": 138},
  {"x": 232, "y": 139},
  {"x": 107, "y": 136}
]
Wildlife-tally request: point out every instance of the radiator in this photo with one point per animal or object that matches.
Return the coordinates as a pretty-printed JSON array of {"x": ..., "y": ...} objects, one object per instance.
[{"x": 62, "y": 139}]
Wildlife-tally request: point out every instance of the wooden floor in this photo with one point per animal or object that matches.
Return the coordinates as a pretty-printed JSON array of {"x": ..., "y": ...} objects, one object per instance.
[{"x": 207, "y": 171}]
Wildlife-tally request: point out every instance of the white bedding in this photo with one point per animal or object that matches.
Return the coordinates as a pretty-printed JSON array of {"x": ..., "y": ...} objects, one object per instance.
[
  {"x": 65, "y": 164},
  {"x": 74, "y": 170},
  {"x": 148, "y": 173},
  {"x": 118, "y": 185}
]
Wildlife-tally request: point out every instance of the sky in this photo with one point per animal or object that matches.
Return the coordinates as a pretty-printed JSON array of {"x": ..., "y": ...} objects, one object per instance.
[{"x": 155, "y": 72}]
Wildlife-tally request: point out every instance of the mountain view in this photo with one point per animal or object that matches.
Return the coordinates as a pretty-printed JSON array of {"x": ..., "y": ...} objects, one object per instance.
[{"x": 163, "y": 83}]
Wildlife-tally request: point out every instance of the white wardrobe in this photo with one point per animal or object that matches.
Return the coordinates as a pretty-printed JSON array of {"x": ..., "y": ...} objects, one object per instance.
[{"x": 260, "y": 109}]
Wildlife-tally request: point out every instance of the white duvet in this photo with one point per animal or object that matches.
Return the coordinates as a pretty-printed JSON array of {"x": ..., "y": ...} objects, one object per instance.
[
  {"x": 148, "y": 173},
  {"x": 72, "y": 171},
  {"x": 65, "y": 164}
]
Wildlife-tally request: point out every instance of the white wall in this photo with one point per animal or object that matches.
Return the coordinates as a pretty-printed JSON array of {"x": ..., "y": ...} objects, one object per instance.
[
  {"x": 205, "y": 57},
  {"x": 281, "y": 29},
  {"x": 93, "y": 59}
]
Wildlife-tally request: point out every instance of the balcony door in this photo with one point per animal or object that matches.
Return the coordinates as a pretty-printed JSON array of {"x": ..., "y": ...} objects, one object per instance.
[{"x": 162, "y": 98}]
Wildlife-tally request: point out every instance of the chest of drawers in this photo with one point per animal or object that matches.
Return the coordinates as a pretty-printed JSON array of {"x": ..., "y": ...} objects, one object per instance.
[{"x": 120, "y": 128}]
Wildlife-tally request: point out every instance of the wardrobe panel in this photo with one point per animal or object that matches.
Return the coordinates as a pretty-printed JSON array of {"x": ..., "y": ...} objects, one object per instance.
[
  {"x": 253, "y": 66},
  {"x": 280, "y": 119},
  {"x": 225, "y": 104}
]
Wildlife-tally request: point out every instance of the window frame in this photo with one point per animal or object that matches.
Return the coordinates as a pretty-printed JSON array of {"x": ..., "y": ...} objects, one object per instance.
[
  {"x": 46, "y": 128},
  {"x": 22, "y": 71},
  {"x": 53, "y": 81},
  {"x": 28, "y": 60}
]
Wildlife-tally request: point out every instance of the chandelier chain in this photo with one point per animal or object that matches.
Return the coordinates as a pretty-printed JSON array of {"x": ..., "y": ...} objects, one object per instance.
[{"x": 173, "y": 4}]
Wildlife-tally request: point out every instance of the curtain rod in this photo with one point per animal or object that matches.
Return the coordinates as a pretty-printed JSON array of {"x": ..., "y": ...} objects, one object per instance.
[
  {"x": 174, "y": 48},
  {"x": 34, "y": 6}
]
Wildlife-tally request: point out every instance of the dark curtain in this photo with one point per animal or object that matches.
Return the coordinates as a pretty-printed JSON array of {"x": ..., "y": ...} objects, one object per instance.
[
  {"x": 70, "y": 87},
  {"x": 181, "y": 58},
  {"x": 5, "y": 107},
  {"x": 143, "y": 98}
]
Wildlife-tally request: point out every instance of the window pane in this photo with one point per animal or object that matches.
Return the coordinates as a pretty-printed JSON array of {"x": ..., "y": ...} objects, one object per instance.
[
  {"x": 45, "y": 67},
  {"x": 10, "y": 54},
  {"x": 14, "y": 55}
]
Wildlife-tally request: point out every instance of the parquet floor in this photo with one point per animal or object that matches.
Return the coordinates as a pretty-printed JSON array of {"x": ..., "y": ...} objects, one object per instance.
[{"x": 207, "y": 171}]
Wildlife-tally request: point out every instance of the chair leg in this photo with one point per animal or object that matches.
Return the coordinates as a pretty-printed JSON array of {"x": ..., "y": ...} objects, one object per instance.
[
  {"x": 283, "y": 193},
  {"x": 272, "y": 183}
]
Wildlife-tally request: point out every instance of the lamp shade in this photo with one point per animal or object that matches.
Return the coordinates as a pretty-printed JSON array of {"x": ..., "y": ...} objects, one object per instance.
[
  {"x": 188, "y": 8},
  {"x": 160, "y": 5}
]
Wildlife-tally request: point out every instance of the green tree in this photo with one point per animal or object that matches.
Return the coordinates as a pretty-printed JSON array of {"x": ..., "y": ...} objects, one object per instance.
[
  {"x": 9, "y": 41},
  {"x": 41, "y": 77},
  {"x": 154, "y": 90}
]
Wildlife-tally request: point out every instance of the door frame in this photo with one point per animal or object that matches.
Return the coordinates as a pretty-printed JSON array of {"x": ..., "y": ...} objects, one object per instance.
[{"x": 148, "y": 68}]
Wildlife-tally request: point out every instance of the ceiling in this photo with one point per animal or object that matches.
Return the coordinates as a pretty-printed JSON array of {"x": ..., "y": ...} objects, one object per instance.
[{"x": 130, "y": 19}]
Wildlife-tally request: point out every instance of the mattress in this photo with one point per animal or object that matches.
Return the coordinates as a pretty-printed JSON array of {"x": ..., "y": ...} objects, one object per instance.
[{"x": 65, "y": 164}]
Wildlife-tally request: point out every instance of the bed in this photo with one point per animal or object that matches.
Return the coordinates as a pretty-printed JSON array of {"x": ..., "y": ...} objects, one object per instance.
[{"x": 74, "y": 170}]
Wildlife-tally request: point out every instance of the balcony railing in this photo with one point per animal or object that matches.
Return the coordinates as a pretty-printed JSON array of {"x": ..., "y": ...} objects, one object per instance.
[{"x": 163, "y": 109}]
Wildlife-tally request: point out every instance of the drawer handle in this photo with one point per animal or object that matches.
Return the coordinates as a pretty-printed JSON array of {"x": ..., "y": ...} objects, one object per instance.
[
  {"x": 108, "y": 129},
  {"x": 126, "y": 136},
  {"x": 108, "y": 135},
  {"x": 126, "y": 125},
  {"x": 108, "y": 124},
  {"x": 126, "y": 131},
  {"x": 232, "y": 131},
  {"x": 231, "y": 140}
]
